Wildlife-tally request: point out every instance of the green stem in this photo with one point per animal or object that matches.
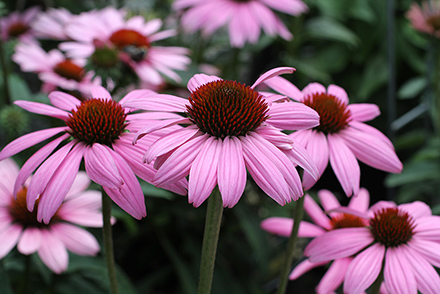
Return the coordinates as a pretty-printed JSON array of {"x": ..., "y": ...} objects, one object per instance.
[
  {"x": 213, "y": 220},
  {"x": 108, "y": 241},
  {"x": 291, "y": 245},
  {"x": 27, "y": 274}
]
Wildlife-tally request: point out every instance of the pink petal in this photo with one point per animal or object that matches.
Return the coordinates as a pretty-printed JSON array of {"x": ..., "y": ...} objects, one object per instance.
[
  {"x": 361, "y": 201},
  {"x": 316, "y": 214},
  {"x": 30, "y": 241},
  {"x": 283, "y": 226},
  {"x": 77, "y": 240},
  {"x": 100, "y": 92},
  {"x": 137, "y": 94},
  {"x": 42, "y": 109},
  {"x": 28, "y": 140},
  {"x": 283, "y": 86},
  {"x": 363, "y": 111},
  {"x": 362, "y": 127},
  {"x": 273, "y": 73},
  {"x": 364, "y": 269},
  {"x": 317, "y": 147},
  {"x": 428, "y": 228},
  {"x": 334, "y": 276},
  {"x": 53, "y": 252},
  {"x": 63, "y": 100},
  {"x": 338, "y": 244},
  {"x": 416, "y": 209},
  {"x": 313, "y": 89},
  {"x": 304, "y": 267},
  {"x": 299, "y": 156},
  {"x": 338, "y": 92},
  {"x": 398, "y": 276},
  {"x": 292, "y": 116},
  {"x": 200, "y": 79},
  {"x": 203, "y": 172},
  {"x": 376, "y": 153},
  {"x": 231, "y": 171},
  {"x": 158, "y": 125},
  {"x": 80, "y": 184},
  {"x": 158, "y": 102},
  {"x": 344, "y": 164},
  {"x": 59, "y": 184},
  {"x": 328, "y": 201},
  {"x": 100, "y": 166},
  {"x": 8, "y": 174},
  {"x": 273, "y": 135},
  {"x": 9, "y": 239},
  {"x": 428, "y": 249}
]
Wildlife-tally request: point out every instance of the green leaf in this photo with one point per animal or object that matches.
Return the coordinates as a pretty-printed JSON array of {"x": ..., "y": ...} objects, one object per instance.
[
  {"x": 412, "y": 88},
  {"x": 5, "y": 283},
  {"x": 414, "y": 173},
  {"x": 330, "y": 29}
]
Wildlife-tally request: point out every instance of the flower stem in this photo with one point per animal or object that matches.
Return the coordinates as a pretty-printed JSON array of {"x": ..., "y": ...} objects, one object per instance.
[
  {"x": 213, "y": 220},
  {"x": 108, "y": 241},
  {"x": 27, "y": 274},
  {"x": 291, "y": 245}
]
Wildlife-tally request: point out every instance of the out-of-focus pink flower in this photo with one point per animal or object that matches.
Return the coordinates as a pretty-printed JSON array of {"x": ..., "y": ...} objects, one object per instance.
[
  {"x": 229, "y": 128},
  {"x": 282, "y": 226},
  {"x": 101, "y": 131},
  {"x": 403, "y": 241},
  {"x": 50, "y": 24},
  {"x": 98, "y": 35},
  {"x": 17, "y": 25},
  {"x": 425, "y": 18},
  {"x": 244, "y": 18},
  {"x": 19, "y": 226},
  {"x": 342, "y": 137},
  {"x": 54, "y": 69}
]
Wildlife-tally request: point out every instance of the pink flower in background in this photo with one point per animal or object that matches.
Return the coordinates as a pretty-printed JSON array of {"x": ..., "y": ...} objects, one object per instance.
[
  {"x": 282, "y": 226},
  {"x": 20, "y": 227},
  {"x": 17, "y": 25},
  {"x": 230, "y": 127},
  {"x": 425, "y": 18},
  {"x": 342, "y": 137},
  {"x": 54, "y": 69},
  {"x": 106, "y": 37},
  {"x": 244, "y": 18},
  {"x": 50, "y": 24},
  {"x": 403, "y": 241},
  {"x": 99, "y": 130}
]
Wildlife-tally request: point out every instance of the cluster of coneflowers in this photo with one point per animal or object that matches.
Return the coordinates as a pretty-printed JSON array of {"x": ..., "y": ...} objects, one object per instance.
[{"x": 204, "y": 145}]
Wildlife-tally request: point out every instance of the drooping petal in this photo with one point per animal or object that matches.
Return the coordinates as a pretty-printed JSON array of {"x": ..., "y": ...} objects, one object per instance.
[
  {"x": 53, "y": 252},
  {"x": 100, "y": 166},
  {"x": 364, "y": 269},
  {"x": 9, "y": 239},
  {"x": 428, "y": 249},
  {"x": 334, "y": 276},
  {"x": 398, "y": 276},
  {"x": 42, "y": 109},
  {"x": 364, "y": 128},
  {"x": 200, "y": 79},
  {"x": 274, "y": 136},
  {"x": 158, "y": 125},
  {"x": 338, "y": 244},
  {"x": 75, "y": 239},
  {"x": 30, "y": 241},
  {"x": 304, "y": 267},
  {"x": 299, "y": 156},
  {"x": 344, "y": 165},
  {"x": 363, "y": 111},
  {"x": 316, "y": 214},
  {"x": 273, "y": 73},
  {"x": 317, "y": 147},
  {"x": 231, "y": 171},
  {"x": 292, "y": 116},
  {"x": 80, "y": 184}
]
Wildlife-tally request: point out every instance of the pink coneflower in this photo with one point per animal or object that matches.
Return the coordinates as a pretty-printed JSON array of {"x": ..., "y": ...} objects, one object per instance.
[
  {"x": 50, "y": 24},
  {"x": 17, "y": 25},
  {"x": 19, "y": 226},
  {"x": 229, "y": 127},
  {"x": 107, "y": 38},
  {"x": 98, "y": 129},
  {"x": 425, "y": 18},
  {"x": 342, "y": 137},
  {"x": 283, "y": 226},
  {"x": 54, "y": 69},
  {"x": 402, "y": 240},
  {"x": 244, "y": 18}
]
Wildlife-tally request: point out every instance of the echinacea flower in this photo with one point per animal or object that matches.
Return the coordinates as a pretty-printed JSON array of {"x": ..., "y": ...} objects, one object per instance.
[
  {"x": 425, "y": 17},
  {"x": 50, "y": 24},
  {"x": 19, "y": 227},
  {"x": 403, "y": 241},
  {"x": 229, "y": 127},
  {"x": 17, "y": 25},
  {"x": 244, "y": 18},
  {"x": 107, "y": 38},
  {"x": 342, "y": 137},
  {"x": 101, "y": 131},
  {"x": 54, "y": 69},
  {"x": 282, "y": 226}
]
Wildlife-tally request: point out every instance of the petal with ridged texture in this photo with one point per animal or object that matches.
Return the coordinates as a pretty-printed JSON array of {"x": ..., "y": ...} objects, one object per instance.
[
  {"x": 304, "y": 267},
  {"x": 63, "y": 100},
  {"x": 334, "y": 276},
  {"x": 200, "y": 79},
  {"x": 100, "y": 166},
  {"x": 77, "y": 240},
  {"x": 283, "y": 86},
  {"x": 292, "y": 116},
  {"x": 273, "y": 73},
  {"x": 43, "y": 109},
  {"x": 316, "y": 214},
  {"x": 398, "y": 274},
  {"x": 363, "y": 111},
  {"x": 317, "y": 148}
]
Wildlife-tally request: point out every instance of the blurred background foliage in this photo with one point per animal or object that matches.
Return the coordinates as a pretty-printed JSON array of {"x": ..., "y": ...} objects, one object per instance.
[{"x": 359, "y": 45}]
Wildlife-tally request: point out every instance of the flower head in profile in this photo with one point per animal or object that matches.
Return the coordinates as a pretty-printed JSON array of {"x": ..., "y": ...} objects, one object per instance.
[
  {"x": 403, "y": 241},
  {"x": 229, "y": 128},
  {"x": 282, "y": 226},
  {"x": 105, "y": 38},
  {"x": 98, "y": 130},
  {"x": 54, "y": 69},
  {"x": 244, "y": 18},
  {"x": 342, "y": 137},
  {"x": 425, "y": 17},
  {"x": 19, "y": 227},
  {"x": 17, "y": 25}
]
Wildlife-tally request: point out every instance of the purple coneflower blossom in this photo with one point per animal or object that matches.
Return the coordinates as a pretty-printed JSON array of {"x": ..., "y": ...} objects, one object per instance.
[
  {"x": 425, "y": 17},
  {"x": 19, "y": 226},
  {"x": 17, "y": 25},
  {"x": 342, "y": 137},
  {"x": 229, "y": 127},
  {"x": 244, "y": 18},
  {"x": 402, "y": 241},
  {"x": 282, "y": 226},
  {"x": 50, "y": 24},
  {"x": 54, "y": 69},
  {"x": 98, "y": 129},
  {"x": 104, "y": 37}
]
